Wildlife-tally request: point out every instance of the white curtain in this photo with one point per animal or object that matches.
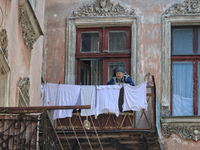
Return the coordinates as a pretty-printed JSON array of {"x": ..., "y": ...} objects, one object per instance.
[
  {"x": 182, "y": 80},
  {"x": 117, "y": 41}
]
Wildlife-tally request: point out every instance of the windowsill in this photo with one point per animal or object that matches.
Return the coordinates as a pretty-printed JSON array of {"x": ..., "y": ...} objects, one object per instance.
[{"x": 187, "y": 127}]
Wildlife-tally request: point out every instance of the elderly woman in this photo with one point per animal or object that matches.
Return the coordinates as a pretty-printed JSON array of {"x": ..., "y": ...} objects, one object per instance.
[{"x": 120, "y": 77}]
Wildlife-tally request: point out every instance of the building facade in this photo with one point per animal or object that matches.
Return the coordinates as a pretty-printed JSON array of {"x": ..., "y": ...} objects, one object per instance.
[
  {"x": 85, "y": 40},
  {"x": 21, "y": 44}
]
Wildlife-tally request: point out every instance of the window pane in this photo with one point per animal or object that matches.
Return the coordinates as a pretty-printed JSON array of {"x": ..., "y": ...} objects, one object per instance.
[
  {"x": 182, "y": 41},
  {"x": 113, "y": 65},
  {"x": 117, "y": 41},
  {"x": 182, "y": 80},
  {"x": 84, "y": 76},
  {"x": 89, "y": 41}
]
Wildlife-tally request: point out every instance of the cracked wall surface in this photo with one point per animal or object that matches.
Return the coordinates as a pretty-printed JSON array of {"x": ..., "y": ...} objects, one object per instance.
[{"x": 150, "y": 44}]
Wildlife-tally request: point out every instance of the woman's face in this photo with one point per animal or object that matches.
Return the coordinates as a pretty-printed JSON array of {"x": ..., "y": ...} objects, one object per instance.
[{"x": 119, "y": 75}]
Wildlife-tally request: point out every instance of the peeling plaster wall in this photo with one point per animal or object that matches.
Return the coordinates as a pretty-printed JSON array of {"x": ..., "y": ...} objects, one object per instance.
[
  {"x": 175, "y": 142},
  {"x": 22, "y": 61},
  {"x": 150, "y": 12},
  {"x": 36, "y": 57}
]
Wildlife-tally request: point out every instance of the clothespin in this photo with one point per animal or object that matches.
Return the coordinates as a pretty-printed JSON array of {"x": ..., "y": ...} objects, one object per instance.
[
  {"x": 59, "y": 83},
  {"x": 80, "y": 83},
  {"x": 98, "y": 84}
]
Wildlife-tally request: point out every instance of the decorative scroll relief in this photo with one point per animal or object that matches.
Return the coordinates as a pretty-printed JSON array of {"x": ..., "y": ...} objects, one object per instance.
[
  {"x": 186, "y": 127},
  {"x": 188, "y": 7},
  {"x": 24, "y": 87},
  {"x": 30, "y": 26},
  {"x": 4, "y": 67},
  {"x": 2, "y": 70},
  {"x": 4, "y": 42},
  {"x": 102, "y": 8}
]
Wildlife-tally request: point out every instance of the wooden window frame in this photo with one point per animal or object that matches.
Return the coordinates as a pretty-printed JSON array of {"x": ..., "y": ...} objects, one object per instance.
[
  {"x": 103, "y": 49},
  {"x": 107, "y": 60},
  {"x": 192, "y": 58},
  {"x": 78, "y": 38},
  {"x": 128, "y": 36},
  {"x": 80, "y": 63}
]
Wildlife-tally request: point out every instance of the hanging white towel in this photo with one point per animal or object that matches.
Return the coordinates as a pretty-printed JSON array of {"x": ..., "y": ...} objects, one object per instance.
[
  {"x": 51, "y": 92},
  {"x": 88, "y": 94},
  {"x": 135, "y": 97},
  {"x": 42, "y": 98},
  {"x": 68, "y": 95},
  {"x": 107, "y": 99}
]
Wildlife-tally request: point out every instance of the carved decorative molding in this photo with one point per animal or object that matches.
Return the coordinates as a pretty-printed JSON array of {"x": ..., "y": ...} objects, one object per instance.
[
  {"x": 4, "y": 67},
  {"x": 2, "y": 70},
  {"x": 186, "y": 127},
  {"x": 188, "y": 7},
  {"x": 4, "y": 42},
  {"x": 24, "y": 86},
  {"x": 102, "y": 8},
  {"x": 31, "y": 29}
]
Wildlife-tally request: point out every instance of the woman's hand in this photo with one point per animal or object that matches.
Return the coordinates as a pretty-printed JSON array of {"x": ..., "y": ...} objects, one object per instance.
[{"x": 118, "y": 83}]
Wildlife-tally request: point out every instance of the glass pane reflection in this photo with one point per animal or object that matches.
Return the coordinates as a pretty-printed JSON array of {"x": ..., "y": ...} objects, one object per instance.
[
  {"x": 117, "y": 41},
  {"x": 89, "y": 41}
]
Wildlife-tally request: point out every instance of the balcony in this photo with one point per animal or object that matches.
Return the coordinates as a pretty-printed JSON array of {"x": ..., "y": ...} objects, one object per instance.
[{"x": 33, "y": 128}]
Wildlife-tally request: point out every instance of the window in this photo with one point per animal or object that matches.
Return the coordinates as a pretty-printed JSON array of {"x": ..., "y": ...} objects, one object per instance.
[
  {"x": 99, "y": 51},
  {"x": 185, "y": 61}
]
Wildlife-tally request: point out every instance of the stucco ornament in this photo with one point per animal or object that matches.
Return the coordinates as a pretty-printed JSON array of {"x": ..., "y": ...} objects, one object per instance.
[
  {"x": 27, "y": 31},
  {"x": 186, "y": 132},
  {"x": 24, "y": 85},
  {"x": 102, "y": 8},
  {"x": 188, "y": 7},
  {"x": 31, "y": 29},
  {"x": 2, "y": 70},
  {"x": 4, "y": 42}
]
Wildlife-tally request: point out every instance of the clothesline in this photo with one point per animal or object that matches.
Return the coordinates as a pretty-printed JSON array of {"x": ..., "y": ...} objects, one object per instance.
[{"x": 102, "y": 98}]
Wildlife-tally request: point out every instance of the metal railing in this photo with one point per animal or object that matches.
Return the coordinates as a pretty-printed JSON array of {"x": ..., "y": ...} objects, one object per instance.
[{"x": 29, "y": 128}]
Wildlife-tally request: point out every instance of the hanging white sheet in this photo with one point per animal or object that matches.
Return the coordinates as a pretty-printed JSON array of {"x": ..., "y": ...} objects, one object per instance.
[
  {"x": 135, "y": 97},
  {"x": 88, "y": 97},
  {"x": 107, "y": 99},
  {"x": 68, "y": 95}
]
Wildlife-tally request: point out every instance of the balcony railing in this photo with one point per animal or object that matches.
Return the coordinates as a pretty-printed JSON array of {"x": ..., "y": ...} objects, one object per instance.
[
  {"x": 29, "y": 128},
  {"x": 32, "y": 127},
  {"x": 129, "y": 120}
]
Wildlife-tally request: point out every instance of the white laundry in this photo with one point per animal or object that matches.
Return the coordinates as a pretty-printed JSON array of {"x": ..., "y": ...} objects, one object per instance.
[
  {"x": 51, "y": 92},
  {"x": 135, "y": 97},
  {"x": 42, "y": 98},
  {"x": 107, "y": 99},
  {"x": 88, "y": 95},
  {"x": 68, "y": 95}
]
